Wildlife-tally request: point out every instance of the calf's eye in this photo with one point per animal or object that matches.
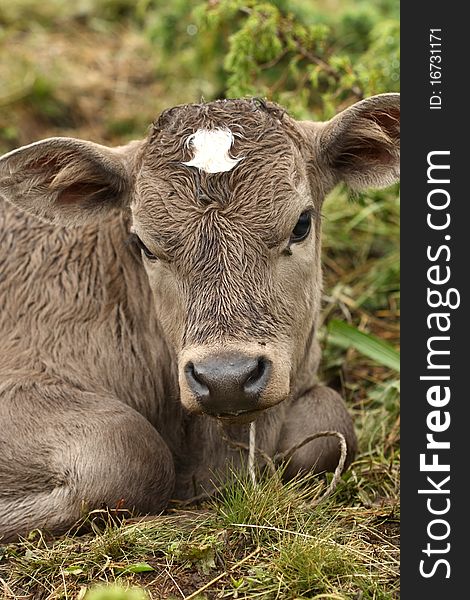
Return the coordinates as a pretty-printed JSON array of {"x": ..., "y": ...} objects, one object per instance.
[
  {"x": 140, "y": 244},
  {"x": 302, "y": 229}
]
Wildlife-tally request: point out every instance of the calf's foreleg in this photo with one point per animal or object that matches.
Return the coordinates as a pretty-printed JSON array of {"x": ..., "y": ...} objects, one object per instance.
[{"x": 320, "y": 409}]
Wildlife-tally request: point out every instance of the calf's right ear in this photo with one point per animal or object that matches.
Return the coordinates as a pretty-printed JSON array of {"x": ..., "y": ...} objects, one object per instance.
[{"x": 68, "y": 181}]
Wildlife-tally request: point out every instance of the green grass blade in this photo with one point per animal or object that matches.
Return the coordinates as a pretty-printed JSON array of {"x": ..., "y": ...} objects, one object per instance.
[{"x": 345, "y": 335}]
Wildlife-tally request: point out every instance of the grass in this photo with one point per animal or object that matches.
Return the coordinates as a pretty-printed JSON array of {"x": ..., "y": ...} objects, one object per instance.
[
  {"x": 82, "y": 72},
  {"x": 336, "y": 549}
]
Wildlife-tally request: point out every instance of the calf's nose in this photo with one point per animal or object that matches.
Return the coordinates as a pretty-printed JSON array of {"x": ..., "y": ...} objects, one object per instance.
[{"x": 228, "y": 384}]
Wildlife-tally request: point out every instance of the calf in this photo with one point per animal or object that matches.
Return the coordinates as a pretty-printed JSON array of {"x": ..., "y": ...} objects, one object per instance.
[{"x": 159, "y": 296}]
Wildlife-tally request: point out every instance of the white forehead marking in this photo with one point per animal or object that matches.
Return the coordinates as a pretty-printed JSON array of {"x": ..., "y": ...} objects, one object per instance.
[{"x": 211, "y": 150}]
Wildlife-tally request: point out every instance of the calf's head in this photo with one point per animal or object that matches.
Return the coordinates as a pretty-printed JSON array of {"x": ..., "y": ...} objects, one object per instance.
[{"x": 224, "y": 201}]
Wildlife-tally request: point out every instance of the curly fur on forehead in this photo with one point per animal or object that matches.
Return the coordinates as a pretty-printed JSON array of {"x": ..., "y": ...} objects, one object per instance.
[
  {"x": 254, "y": 194},
  {"x": 238, "y": 115},
  {"x": 261, "y": 128},
  {"x": 263, "y": 134}
]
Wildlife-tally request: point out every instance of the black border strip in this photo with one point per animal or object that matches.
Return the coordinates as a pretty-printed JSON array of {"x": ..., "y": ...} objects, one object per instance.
[{"x": 434, "y": 568}]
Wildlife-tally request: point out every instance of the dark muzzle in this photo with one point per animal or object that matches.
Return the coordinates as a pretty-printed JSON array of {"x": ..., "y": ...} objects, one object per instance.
[{"x": 228, "y": 384}]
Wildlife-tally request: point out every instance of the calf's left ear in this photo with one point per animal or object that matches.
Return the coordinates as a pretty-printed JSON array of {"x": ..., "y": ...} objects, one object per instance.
[{"x": 361, "y": 145}]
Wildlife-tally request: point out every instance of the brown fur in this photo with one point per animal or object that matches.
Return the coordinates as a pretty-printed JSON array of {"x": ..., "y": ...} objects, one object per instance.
[{"x": 94, "y": 405}]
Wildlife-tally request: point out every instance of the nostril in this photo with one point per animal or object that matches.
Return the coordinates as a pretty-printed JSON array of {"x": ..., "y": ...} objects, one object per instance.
[
  {"x": 195, "y": 381},
  {"x": 257, "y": 379},
  {"x": 256, "y": 373}
]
